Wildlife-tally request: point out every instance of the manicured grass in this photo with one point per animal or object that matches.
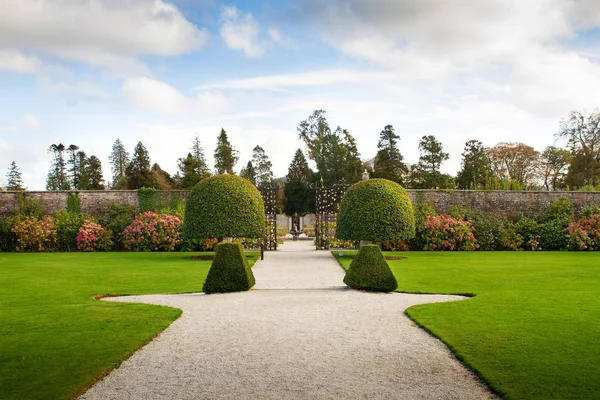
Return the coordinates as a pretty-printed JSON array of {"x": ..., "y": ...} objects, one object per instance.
[
  {"x": 532, "y": 331},
  {"x": 56, "y": 339}
]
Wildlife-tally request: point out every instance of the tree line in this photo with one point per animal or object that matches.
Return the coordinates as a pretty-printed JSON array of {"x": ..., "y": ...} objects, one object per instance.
[{"x": 334, "y": 151}]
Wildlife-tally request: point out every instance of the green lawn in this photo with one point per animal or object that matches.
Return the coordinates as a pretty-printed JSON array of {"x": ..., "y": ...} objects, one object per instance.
[
  {"x": 532, "y": 331},
  {"x": 56, "y": 339}
]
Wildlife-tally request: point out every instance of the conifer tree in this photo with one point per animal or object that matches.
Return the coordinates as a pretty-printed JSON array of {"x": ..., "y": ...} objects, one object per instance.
[
  {"x": 14, "y": 178},
  {"x": 57, "y": 176},
  {"x": 119, "y": 161},
  {"x": 225, "y": 155},
  {"x": 91, "y": 177},
  {"x": 389, "y": 163},
  {"x": 249, "y": 172},
  {"x": 262, "y": 164},
  {"x": 138, "y": 171}
]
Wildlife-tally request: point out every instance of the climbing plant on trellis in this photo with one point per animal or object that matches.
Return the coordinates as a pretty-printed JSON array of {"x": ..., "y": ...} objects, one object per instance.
[
  {"x": 269, "y": 195},
  {"x": 326, "y": 204}
]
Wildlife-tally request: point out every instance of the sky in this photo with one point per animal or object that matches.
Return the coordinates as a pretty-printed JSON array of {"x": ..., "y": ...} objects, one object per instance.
[{"x": 87, "y": 72}]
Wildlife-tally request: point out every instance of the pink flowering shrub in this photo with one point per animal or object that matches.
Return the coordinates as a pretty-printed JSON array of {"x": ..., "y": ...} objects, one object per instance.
[
  {"x": 153, "y": 232},
  {"x": 35, "y": 234},
  {"x": 92, "y": 237},
  {"x": 392, "y": 245},
  {"x": 585, "y": 233},
  {"x": 445, "y": 232},
  {"x": 533, "y": 244}
]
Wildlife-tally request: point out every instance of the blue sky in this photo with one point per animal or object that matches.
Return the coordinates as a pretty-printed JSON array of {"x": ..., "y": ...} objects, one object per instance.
[{"x": 89, "y": 72}]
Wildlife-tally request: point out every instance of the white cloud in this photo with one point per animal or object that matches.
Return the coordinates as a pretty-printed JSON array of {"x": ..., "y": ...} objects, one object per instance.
[
  {"x": 14, "y": 61},
  {"x": 104, "y": 33},
  {"x": 157, "y": 96},
  {"x": 241, "y": 32},
  {"x": 286, "y": 81}
]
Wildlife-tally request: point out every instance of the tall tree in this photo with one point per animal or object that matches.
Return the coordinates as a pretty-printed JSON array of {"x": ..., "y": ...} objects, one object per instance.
[
  {"x": 119, "y": 161},
  {"x": 57, "y": 176},
  {"x": 263, "y": 166},
  {"x": 299, "y": 169},
  {"x": 515, "y": 161},
  {"x": 198, "y": 155},
  {"x": 389, "y": 163},
  {"x": 75, "y": 165},
  {"x": 426, "y": 173},
  {"x": 92, "y": 178},
  {"x": 138, "y": 171},
  {"x": 191, "y": 171},
  {"x": 163, "y": 179},
  {"x": 334, "y": 152},
  {"x": 249, "y": 172},
  {"x": 476, "y": 170},
  {"x": 14, "y": 178},
  {"x": 555, "y": 162},
  {"x": 583, "y": 135},
  {"x": 226, "y": 156}
]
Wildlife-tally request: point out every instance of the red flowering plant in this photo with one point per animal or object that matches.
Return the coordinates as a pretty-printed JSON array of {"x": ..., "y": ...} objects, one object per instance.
[
  {"x": 445, "y": 232},
  {"x": 35, "y": 234},
  {"x": 92, "y": 237},
  {"x": 392, "y": 245},
  {"x": 153, "y": 232},
  {"x": 585, "y": 233}
]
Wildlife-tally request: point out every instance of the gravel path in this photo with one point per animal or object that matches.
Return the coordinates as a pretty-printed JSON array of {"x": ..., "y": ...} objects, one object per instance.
[{"x": 300, "y": 334}]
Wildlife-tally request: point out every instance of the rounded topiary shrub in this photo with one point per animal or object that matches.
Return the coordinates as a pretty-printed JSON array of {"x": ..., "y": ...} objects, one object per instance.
[
  {"x": 376, "y": 210},
  {"x": 370, "y": 271},
  {"x": 224, "y": 206},
  {"x": 227, "y": 273}
]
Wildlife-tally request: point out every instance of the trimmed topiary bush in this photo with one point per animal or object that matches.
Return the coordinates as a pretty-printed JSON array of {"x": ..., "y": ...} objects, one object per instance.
[
  {"x": 374, "y": 210},
  {"x": 230, "y": 271},
  {"x": 224, "y": 206},
  {"x": 369, "y": 271}
]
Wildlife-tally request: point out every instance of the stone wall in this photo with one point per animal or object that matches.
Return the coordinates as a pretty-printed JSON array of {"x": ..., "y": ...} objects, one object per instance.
[{"x": 501, "y": 203}]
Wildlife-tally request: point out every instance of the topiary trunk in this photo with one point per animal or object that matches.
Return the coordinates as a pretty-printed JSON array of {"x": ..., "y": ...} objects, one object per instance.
[
  {"x": 230, "y": 271},
  {"x": 369, "y": 271}
]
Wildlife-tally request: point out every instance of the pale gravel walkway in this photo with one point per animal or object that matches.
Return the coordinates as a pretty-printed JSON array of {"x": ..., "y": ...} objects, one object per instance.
[{"x": 315, "y": 340}]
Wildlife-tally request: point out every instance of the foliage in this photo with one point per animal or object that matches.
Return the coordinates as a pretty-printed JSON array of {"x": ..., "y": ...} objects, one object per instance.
[
  {"x": 93, "y": 237},
  {"x": 515, "y": 161},
  {"x": 488, "y": 231},
  {"x": 230, "y": 270},
  {"x": 119, "y": 217},
  {"x": 590, "y": 209},
  {"x": 73, "y": 203},
  {"x": 249, "y": 173},
  {"x": 152, "y": 232},
  {"x": 263, "y": 166},
  {"x": 375, "y": 210},
  {"x": 585, "y": 233},
  {"x": 57, "y": 175},
  {"x": 299, "y": 169},
  {"x": 226, "y": 156},
  {"x": 163, "y": 179},
  {"x": 554, "y": 234},
  {"x": 119, "y": 160},
  {"x": 559, "y": 209},
  {"x": 224, "y": 206},
  {"x": 390, "y": 245},
  {"x": 28, "y": 207},
  {"x": 495, "y": 183},
  {"x": 35, "y": 234},
  {"x": 67, "y": 227},
  {"x": 476, "y": 168},
  {"x": 528, "y": 228},
  {"x": 426, "y": 173},
  {"x": 510, "y": 238},
  {"x": 334, "y": 152},
  {"x": 7, "y": 236},
  {"x": 422, "y": 210},
  {"x": 192, "y": 171},
  {"x": 75, "y": 165},
  {"x": 92, "y": 178},
  {"x": 369, "y": 271},
  {"x": 138, "y": 172},
  {"x": 555, "y": 162},
  {"x": 147, "y": 199},
  {"x": 389, "y": 163},
  {"x": 445, "y": 232},
  {"x": 14, "y": 178},
  {"x": 198, "y": 244},
  {"x": 295, "y": 199}
]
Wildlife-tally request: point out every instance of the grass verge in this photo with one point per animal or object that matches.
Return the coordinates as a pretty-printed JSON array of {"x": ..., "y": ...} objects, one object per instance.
[
  {"x": 532, "y": 329},
  {"x": 56, "y": 339}
]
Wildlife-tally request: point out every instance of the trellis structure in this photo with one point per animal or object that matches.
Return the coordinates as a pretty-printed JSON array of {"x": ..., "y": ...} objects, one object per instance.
[
  {"x": 326, "y": 204},
  {"x": 269, "y": 197}
]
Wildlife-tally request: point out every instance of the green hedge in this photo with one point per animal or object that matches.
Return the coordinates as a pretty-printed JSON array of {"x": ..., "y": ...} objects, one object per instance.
[
  {"x": 224, "y": 206},
  {"x": 230, "y": 271},
  {"x": 376, "y": 210},
  {"x": 369, "y": 271}
]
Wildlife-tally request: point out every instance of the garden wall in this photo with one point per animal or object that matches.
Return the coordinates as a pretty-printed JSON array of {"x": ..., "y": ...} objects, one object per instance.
[{"x": 500, "y": 203}]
